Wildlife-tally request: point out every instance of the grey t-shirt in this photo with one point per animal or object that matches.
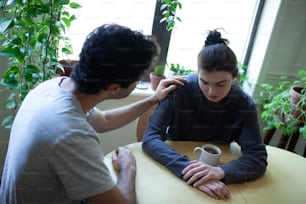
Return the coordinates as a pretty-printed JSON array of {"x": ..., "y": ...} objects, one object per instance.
[{"x": 54, "y": 155}]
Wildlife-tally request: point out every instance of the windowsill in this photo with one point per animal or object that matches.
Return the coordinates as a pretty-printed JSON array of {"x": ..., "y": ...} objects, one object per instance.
[{"x": 143, "y": 90}]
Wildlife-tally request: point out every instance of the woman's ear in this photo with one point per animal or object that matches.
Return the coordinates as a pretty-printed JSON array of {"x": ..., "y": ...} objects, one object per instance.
[{"x": 235, "y": 74}]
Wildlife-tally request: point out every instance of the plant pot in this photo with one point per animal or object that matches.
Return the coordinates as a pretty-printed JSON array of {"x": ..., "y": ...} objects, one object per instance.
[
  {"x": 155, "y": 80},
  {"x": 67, "y": 67},
  {"x": 295, "y": 97}
]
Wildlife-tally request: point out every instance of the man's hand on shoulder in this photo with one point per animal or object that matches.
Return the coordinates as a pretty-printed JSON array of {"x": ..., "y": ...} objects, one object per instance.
[{"x": 166, "y": 86}]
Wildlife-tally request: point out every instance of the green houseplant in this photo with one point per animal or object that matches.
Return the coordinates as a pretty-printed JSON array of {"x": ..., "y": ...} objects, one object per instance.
[
  {"x": 178, "y": 70},
  {"x": 168, "y": 9},
  {"x": 30, "y": 33},
  {"x": 280, "y": 110},
  {"x": 66, "y": 66},
  {"x": 157, "y": 75}
]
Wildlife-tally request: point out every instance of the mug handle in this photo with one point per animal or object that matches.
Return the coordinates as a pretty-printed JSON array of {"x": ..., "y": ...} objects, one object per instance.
[{"x": 196, "y": 149}]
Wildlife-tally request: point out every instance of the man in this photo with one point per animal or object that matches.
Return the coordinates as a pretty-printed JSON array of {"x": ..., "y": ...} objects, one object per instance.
[{"x": 54, "y": 153}]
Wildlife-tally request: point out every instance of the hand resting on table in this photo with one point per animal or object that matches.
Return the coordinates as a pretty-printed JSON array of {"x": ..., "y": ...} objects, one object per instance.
[{"x": 207, "y": 179}]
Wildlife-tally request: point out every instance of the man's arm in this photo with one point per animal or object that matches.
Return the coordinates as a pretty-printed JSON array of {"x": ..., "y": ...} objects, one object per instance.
[
  {"x": 116, "y": 118},
  {"x": 124, "y": 192}
]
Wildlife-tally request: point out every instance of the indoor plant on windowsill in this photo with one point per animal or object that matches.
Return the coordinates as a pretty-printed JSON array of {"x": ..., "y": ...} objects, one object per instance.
[
  {"x": 66, "y": 66},
  {"x": 156, "y": 76},
  {"x": 178, "y": 70},
  {"x": 282, "y": 110}
]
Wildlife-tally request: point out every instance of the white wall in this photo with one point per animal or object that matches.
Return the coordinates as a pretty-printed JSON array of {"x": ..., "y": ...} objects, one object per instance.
[
  {"x": 124, "y": 135},
  {"x": 4, "y": 133}
]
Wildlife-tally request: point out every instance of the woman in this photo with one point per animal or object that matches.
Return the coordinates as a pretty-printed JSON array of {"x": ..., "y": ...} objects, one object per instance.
[{"x": 209, "y": 107}]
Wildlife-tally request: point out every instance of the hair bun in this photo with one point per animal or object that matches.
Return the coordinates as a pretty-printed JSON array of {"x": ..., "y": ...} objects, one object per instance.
[{"x": 214, "y": 37}]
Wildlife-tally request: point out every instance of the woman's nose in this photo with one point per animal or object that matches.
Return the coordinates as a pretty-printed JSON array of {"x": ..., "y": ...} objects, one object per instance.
[{"x": 211, "y": 90}]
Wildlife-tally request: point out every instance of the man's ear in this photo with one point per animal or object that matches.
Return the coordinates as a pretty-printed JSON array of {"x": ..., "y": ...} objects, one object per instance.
[{"x": 112, "y": 88}]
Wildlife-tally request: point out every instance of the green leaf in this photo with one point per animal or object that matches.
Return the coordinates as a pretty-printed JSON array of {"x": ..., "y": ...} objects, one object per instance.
[
  {"x": 67, "y": 22},
  {"x": 31, "y": 69},
  {"x": 75, "y": 5},
  {"x": 162, "y": 20},
  {"x": 163, "y": 6},
  {"x": 65, "y": 13},
  {"x": 58, "y": 3},
  {"x": 4, "y": 24},
  {"x": 12, "y": 96},
  {"x": 170, "y": 19},
  {"x": 42, "y": 37},
  {"x": 12, "y": 2},
  {"x": 10, "y": 102},
  {"x": 9, "y": 77},
  {"x": 6, "y": 53},
  {"x": 179, "y": 5},
  {"x": 166, "y": 13},
  {"x": 72, "y": 18},
  {"x": 67, "y": 50},
  {"x": 172, "y": 9},
  {"x": 6, "y": 122},
  {"x": 13, "y": 52},
  {"x": 170, "y": 26}
]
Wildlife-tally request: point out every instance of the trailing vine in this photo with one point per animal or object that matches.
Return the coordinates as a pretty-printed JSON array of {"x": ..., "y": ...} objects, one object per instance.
[
  {"x": 30, "y": 33},
  {"x": 169, "y": 12}
]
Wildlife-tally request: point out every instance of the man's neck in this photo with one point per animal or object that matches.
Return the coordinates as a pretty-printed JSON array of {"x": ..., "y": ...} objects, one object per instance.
[{"x": 87, "y": 101}]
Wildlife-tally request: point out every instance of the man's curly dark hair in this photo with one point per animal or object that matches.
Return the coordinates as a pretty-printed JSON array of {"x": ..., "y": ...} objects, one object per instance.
[{"x": 113, "y": 54}]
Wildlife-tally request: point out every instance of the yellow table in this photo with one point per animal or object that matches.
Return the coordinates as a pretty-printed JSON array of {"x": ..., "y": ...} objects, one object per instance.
[{"x": 283, "y": 183}]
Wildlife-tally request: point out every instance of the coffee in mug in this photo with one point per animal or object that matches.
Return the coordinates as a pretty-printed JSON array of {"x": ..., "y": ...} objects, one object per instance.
[{"x": 209, "y": 154}]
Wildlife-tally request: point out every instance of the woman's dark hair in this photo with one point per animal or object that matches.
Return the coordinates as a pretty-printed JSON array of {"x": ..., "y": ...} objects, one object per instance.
[
  {"x": 113, "y": 54},
  {"x": 216, "y": 55}
]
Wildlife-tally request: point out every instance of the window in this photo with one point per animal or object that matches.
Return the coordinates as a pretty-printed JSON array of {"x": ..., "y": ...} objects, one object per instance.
[
  {"x": 236, "y": 17},
  {"x": 198, "y": 17},
  {"x": 136, "y": 14}
]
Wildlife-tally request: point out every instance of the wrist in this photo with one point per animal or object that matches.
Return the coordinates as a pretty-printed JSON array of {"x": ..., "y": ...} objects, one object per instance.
[
  {"x": 154, "y": 99},
  {"x": 221, "y": 174}
]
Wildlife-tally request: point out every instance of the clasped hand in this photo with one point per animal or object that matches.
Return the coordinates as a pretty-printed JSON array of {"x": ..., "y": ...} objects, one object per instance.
[
  {"x": 123, "y": 159},
  {"x": 207, "y": 179}
]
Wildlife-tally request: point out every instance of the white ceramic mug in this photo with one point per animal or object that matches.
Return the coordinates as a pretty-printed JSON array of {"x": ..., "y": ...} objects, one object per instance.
[{"x": 209, "y": 154}]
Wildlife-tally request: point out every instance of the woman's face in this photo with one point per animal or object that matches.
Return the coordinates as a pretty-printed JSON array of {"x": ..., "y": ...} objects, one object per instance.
[{"x": 215, "y": 85}]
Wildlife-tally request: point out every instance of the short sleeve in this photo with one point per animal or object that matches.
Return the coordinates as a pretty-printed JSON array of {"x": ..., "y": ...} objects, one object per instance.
[
  {"x": 78, "y": 162},
  {"x": 91, "y": 115}
]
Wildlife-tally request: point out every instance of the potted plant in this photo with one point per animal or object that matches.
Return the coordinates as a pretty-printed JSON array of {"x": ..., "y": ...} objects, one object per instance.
[
  {"x": 66, "y": 66},
  {"x": 157, "y": 75},
  {"x": 178, "y": 70},
  {"x": 31, "y": 32},
  {"x": 281, "y": 108}
]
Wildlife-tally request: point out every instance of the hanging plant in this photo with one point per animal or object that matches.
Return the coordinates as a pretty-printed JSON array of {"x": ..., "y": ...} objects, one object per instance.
[
  {"x": 168, "y": 8},
  {"x": 30, "y": 32}
]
